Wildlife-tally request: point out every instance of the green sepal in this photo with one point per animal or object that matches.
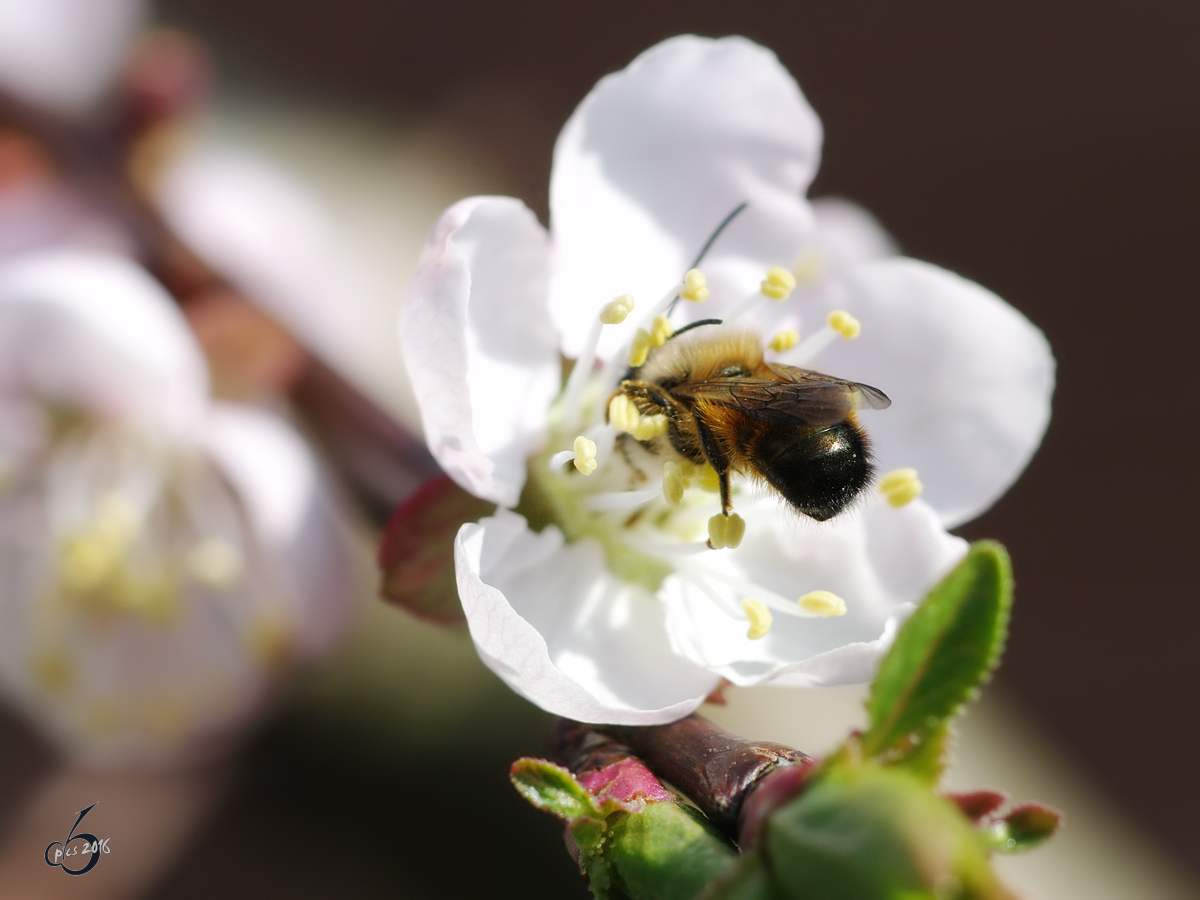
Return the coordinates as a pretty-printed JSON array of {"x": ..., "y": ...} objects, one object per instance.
[
  {"x": 748, "y": 881},
  {"x": 646, "y": 850},
  {"x": 942, "y": 654},
  {"x": 1023, "y": 828},
  {"x": 666, "y": 852},
  {"x": 875, "y": 833},
  {"x": 416, "y": 552},
  {"x": 553, "y": 789}
]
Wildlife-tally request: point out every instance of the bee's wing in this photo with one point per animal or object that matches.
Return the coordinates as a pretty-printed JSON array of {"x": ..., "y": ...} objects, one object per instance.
[{"x": 805, "y": 398}]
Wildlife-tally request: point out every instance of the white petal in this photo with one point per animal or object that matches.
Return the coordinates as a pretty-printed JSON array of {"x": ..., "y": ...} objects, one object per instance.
[
  {"x": 970, "y": 380},
  {"x": 97, "y": 333},
  {"x": 657, "y": 156},
  {"x": 35, "y": 215},
  {"x": 561, "y": 631},
  {"x": 63, "y": 54},
  {"x": 477, "y": 340},
  {"x": 257, "y": 227},
  {"x": 847, "y": 234},
  {"x": 880, "y": 560},
  {"x": 275, "y": 476}
]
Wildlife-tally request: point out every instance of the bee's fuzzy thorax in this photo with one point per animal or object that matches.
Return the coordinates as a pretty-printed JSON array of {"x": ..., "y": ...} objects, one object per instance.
[{"x": 700, "y": 355}]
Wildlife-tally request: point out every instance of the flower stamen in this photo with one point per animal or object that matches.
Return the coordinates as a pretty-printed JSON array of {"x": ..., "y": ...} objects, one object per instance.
[
  {"x": 612, "y": 313},
  {"x": 585, "y": 455},
  {"x": 661, "y": 330},
  {"x": 695, "y": 286},
  {"x": 759, "y": 617},
  {"x": 785, "y": 340},
  {"x": 623, "y": 414},
  {"x": 839, "y": 323},
  {"x": 616, "y": 310},
  {"x": 725, "y": 532},
  {"x": 824, "y": 604},
  {"x": 900, "y": 487},
  {"x": 844, "y": 324},
  {"x": 779, "y": 283},
  {"x": 640, "y": 347},
  {"x": 674, "y": 483}
]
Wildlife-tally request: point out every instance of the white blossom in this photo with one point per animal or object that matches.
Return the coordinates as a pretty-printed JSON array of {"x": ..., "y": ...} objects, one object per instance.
[{"x": 612, "y": 608}]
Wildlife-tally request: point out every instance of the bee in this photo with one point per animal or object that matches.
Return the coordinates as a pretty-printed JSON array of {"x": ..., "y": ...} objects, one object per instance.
[{"x": 726, "y": 406}]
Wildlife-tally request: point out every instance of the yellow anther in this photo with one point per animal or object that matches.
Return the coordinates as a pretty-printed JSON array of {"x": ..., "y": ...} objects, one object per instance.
[
  {"x": 650, "y": 427},
  {"x": 735, "y": 531},
  {"x": 623, "y": 415},
  {"x": 779, "y": 283},
  {"x": 661, "y": 330},
  {"x": 726, "y": 532},
  {"x": 215, "y": 563},
  {"x": 785, "y": 340},
  {"x": 810, "y": 267},
  {"x": 615, "y": 311},
  {"x": 84, "y": 563},
  {"x": 54, "y": 671},
  {"x": 844, "y": 324},
  {"x": 759, "y": 616},
  {"x": 695, "y": 286},
  {"x": 640, "y": 348},
  {"x": 91, "y": 556},
  {"x": 901, "y": 487},
  {"x": 709, "y": 479},
  {"x": 674, "y": 483},
  {"x": 823, "y": 603},
  {"x": 151, "y": 595},
  {"x": 585, "y": 455}
]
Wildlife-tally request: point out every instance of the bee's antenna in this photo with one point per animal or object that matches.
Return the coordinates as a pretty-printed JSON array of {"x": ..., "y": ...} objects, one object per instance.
[
  {"x": 716, "y": 234},
  {"x": 692, "y": 325},
  {"x": 708, "y": 245}
]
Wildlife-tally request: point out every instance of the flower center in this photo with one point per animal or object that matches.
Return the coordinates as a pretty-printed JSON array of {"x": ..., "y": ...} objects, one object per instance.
[
  {"x": 653, "y": 513},
  {"x": 134, "y": 525}
]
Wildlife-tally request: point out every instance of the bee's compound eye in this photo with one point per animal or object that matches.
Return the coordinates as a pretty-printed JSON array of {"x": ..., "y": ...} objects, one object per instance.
[{"x": 819, "y": 473}]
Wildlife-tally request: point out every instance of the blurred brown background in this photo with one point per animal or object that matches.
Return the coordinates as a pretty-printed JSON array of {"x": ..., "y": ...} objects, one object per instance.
[{"x": 1048, "y": 151}]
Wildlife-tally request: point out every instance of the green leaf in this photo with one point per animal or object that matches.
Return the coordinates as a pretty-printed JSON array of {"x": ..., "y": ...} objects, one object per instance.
[
  {"x": 946, "y": 649},
  {"x": 924, "y": 755},
  {"x": 553, "y": 789}
]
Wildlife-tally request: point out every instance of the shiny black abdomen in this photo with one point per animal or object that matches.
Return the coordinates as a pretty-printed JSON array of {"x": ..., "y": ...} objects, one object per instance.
[{"x": 818, "y": 472}]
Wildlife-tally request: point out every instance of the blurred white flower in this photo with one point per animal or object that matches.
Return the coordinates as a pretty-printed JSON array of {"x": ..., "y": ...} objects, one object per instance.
[
  {"x": 615, "y": 610},
  {"x": 62, "y": 54},
  {"x": 163, "y": 558}
]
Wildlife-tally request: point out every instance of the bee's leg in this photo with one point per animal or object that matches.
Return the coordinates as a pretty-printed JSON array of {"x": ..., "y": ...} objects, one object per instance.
[{"x": 718, "y": 460}]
